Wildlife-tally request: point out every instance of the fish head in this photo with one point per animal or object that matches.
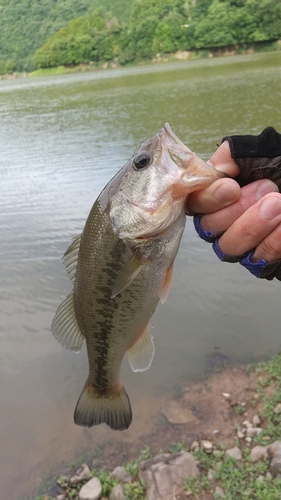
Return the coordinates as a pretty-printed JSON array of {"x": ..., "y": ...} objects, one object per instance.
[{"x": 155, "y": 184}]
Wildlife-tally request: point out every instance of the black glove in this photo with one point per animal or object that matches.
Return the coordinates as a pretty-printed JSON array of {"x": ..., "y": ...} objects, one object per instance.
[{"x": 258, "y": 157}]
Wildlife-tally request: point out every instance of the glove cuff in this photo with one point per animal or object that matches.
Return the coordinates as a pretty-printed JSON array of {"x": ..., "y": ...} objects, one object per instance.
[{"x": 267, "y": 144}]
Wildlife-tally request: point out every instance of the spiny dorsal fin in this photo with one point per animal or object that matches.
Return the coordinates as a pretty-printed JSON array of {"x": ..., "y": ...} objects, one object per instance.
[
  {"x": 128, "y": 273},
  {"x": 141, "y": 354},
  {"x": 65, "y": 327},
  {"x": 70, "y": 257}
]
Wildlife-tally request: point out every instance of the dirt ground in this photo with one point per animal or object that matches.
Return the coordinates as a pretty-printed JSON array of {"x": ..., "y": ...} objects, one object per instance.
[{"x": 208, "y": 409}]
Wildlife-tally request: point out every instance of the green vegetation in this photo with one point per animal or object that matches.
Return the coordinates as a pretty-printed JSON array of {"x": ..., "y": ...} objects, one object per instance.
[
  {"x": 161, "y": 27},
  {"x": 70, "y": 32}
]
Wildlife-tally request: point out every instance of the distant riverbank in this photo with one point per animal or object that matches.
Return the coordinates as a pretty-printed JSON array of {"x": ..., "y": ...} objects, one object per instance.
[{"x": 180, "y": 55}]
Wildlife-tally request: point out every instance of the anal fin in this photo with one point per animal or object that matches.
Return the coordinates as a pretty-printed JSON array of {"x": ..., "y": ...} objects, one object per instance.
[{"x": 141, "y": 354}]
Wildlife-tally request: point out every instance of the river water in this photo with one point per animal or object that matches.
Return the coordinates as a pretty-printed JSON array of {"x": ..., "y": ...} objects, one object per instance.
[{"x": 61, "y": 139}]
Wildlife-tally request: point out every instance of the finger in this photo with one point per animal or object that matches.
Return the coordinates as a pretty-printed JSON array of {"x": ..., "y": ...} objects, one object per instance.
[
  {"x": 270, "y": 248},
  {"x": 254, "y": 225},
  {"x": 221, "y": 220},
  {"x": 222, "y": 160},
  {"x": 220, "y": 194}
]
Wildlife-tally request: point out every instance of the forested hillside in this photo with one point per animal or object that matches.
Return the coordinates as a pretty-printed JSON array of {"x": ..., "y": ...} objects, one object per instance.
[
  {"x": 161, "y": 26},
  {"x": 75, "y": 31},
  {"x": 25, "y": 25}
]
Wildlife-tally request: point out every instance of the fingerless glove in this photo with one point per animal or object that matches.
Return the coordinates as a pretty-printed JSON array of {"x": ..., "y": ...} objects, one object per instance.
[{"x": 257, "y": 156}]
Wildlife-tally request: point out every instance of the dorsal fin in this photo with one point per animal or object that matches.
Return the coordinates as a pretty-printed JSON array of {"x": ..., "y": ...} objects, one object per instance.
[
  {"x": 65, "y": 327},
  {"x": 71, "y": 256}
]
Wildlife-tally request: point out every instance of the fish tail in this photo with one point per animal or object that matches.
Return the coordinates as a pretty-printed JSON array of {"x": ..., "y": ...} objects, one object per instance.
[{"x": 97, "y": 407}]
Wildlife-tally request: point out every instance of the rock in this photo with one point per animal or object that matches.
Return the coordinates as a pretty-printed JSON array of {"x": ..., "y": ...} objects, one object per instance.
[
  {"x": 251, "y": 432},
  {"x": 240, "y": 434},
  {"x": 275, "y": 465},
  {"x": 194, "y": 445},
  {"x": 247, "y": 424},
  {"x": 82, "y": 474},
  {"x": 219, "y": 491},
  {"x": 216, "y": 432},
  {"x": 60, "y": 497},
  {"x": 226, "y": 395},
  {"x": 248, "y": 439},
  {"x": 235, "y": 453},
  {"x": 164, "y": 474},
  {"x": 175, "y": 414},
  {"x": 121, "y": 475},
  {"x": 256, "y": 420},
  {"x": 277, "y": 409},
  {"x": 260, "y": 478},
  {"x": 268, "y": 475},
  {"x": 210, "y": 475},
  {"x": 91, "y": 490},
  {"x": 206, "y": 446},
  {"x": 117, "y": 493},
  {"x": 274, "y": 449},
  {"x": 258, "y": 453}
]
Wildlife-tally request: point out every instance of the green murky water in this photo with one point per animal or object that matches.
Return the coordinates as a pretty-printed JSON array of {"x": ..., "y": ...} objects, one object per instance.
[{"x": 61, "y": 139}]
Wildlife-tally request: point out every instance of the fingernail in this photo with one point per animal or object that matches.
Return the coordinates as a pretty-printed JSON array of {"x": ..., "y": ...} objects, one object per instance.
[
  {"x": 226, "y": 193},
  {"x": 271, "y": 208},
  {"x": 266, "y": 187}
]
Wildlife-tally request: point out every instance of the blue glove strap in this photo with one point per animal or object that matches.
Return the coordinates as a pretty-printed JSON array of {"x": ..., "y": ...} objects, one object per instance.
[
  {"x": 204, "y": 235},
  {"x": 256, "y": 268},
  {"x": 222, "y": 256},
  {"x": 261, "y": 269}
]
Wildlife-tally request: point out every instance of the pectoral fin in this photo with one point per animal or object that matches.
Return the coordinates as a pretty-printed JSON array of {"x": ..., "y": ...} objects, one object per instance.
[
  {"x": 141, "y": 353},
  {"x": 128, "y": 273},
  {"x": 167, "y": 284}
]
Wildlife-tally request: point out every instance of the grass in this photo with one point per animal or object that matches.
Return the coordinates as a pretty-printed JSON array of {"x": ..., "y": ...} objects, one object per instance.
[{"x": 240, "y": 480}]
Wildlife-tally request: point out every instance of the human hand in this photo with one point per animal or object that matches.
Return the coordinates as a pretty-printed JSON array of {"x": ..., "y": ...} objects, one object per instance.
[{"x": 248, "y": 217}]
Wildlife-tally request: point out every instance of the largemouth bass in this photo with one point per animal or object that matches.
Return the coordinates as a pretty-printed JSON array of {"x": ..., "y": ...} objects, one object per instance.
[{"x": 121, "y": 266}]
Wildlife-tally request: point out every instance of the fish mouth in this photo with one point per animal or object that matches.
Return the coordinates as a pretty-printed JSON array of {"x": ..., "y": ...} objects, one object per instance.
[{"x": 196, "y": 173}]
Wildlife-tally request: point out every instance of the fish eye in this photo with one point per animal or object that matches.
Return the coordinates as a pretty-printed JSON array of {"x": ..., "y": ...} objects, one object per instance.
[{"x": 141, "y": 161}]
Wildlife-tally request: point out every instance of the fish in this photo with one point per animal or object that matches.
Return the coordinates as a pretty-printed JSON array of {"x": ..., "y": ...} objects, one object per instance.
[{"x": 121, "y": 266}]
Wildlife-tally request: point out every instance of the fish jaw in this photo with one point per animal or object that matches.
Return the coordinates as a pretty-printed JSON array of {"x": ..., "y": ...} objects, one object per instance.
[{"x": 196, "y": 175}]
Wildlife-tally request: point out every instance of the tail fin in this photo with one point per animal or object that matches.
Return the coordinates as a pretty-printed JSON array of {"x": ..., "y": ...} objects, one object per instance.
[{"x": 94, "y": 408}]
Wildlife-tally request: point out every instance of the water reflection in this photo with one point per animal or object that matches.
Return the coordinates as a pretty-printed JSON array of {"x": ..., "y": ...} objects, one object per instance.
[{"x": 62, "y": 139}]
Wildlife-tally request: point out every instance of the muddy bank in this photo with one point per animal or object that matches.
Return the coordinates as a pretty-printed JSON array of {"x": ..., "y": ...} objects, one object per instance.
[{"x": 231, "y": 419}]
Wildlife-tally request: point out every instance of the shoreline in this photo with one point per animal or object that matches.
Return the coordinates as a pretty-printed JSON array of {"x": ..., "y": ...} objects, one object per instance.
[
  {"x": 227, "y": 424},
  {"x": 180, "y": 55}
]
